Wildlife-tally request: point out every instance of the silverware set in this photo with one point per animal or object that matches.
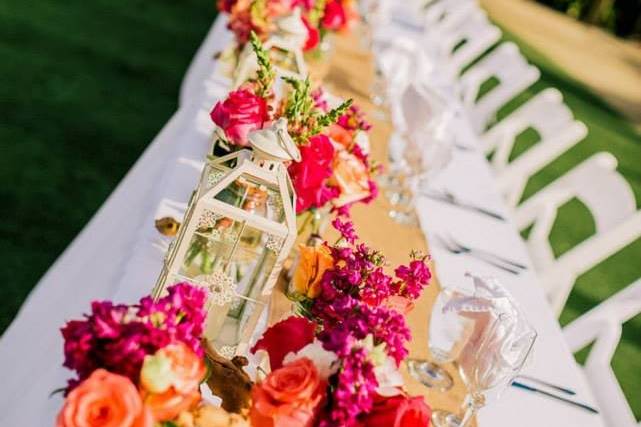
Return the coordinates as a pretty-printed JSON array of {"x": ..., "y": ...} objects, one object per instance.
[
  {"x": 498, "y": 261},
  {"x": 447, "y": 197},
  {"x": 526, "y": 387}
]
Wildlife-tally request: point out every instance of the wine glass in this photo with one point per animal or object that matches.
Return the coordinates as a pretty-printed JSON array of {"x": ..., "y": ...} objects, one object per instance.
[
  {"x": 494, "y": 354},
  {"x": 426, "y": 148},
  {"x": 447, "y": 336}
]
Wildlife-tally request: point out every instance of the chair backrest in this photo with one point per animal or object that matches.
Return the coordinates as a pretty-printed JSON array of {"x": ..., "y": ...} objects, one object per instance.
[
  {"x": 611, "y": 202},
  {"x": 557, "y": 131},
  {"x": 444, "y": 16},
  {"x": 602, "y": 325},
  {"x": 513, "y": 73},
  {"x": 467, "y": 36}
]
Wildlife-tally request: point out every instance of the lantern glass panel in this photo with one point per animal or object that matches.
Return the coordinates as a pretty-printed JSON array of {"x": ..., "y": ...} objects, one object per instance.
[
  {"x": 284, "y": 59},
  {"x": 255, "y": 196}
]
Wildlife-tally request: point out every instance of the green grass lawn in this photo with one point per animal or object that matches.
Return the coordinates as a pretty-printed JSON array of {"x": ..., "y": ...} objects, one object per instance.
[
  {"x": 86, "y": 85},
  {"x": 608, "y": 131}
]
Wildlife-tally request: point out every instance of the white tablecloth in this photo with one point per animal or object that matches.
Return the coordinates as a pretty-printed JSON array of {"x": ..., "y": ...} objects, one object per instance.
[{"x": 115, "y": 257}]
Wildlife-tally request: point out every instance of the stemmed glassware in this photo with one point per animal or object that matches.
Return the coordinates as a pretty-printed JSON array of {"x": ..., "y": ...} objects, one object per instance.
[
  {"x": 485, "y": 336},
  {"x": 444, "y": 341},
  {"x": 421, "y": 148}
]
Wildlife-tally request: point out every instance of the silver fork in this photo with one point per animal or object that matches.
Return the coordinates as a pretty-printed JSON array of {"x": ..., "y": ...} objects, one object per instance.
[
  {"x": 454, "y": 248},
  {"x": 490, "y": 254}
]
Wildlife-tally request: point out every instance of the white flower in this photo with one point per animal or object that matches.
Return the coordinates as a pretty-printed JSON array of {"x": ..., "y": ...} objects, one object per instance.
[
  {"x": 325, "y": 361},
  {"x": 362, "y": 140},
  {"x": 390, "y": 380}
]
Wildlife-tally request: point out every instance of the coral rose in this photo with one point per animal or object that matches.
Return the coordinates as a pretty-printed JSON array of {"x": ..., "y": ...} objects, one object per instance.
[
  {"x": 170, "y": 380},
  {"x": 340, "y": 135},
  {"x": 288, "y": 397},
  {"x": 351, "y": 177},
  {"x": 398, "y": 411},
  {"x": 104, "y": 399},
  {"x": 241, "y": 113},
  {"x": 166, "y": 406},
  {"x": 173, "y": 366},
  {"x": 312, "y": 264}
]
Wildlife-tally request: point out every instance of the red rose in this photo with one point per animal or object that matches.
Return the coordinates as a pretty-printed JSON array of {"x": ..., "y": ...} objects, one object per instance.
[
  {"x": 226, "y": 5},
  {"x": 398, "y": 411},
  {"x": 241, "y": 113},
  {"x": 299, "y": 332},
  {"x": 313, "y": 35},
  {"x": 335, "y": 17},
  {"x": 309, "y": 176}
]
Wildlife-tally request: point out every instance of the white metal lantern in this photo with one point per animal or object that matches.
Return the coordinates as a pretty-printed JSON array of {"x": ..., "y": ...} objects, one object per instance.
[
  {"x": 285, "y": 47},
  {"x": 238, "y": 230}
]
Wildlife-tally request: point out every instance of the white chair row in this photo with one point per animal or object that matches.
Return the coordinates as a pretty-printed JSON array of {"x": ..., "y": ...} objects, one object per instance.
[
  {"x": 595, "y": 182},
  {"x": 603, "y": 326}
]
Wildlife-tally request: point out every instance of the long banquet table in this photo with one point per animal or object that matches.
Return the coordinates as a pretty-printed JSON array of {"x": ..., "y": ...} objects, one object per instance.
[{"x": 117, "y": 255}]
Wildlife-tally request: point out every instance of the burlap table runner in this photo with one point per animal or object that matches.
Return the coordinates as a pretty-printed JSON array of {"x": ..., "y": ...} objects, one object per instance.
[{"x": 349, "y": 72}]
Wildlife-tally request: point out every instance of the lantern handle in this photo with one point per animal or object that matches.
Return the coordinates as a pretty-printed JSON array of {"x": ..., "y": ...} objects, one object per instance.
[{"x": 288, "y": 143}]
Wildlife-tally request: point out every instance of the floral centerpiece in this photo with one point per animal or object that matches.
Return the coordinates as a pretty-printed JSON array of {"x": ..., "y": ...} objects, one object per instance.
[
  {"x": 334, "y": 364},
  {"x": 140, "y": 365},
  {"x": 335, "y": 169},
  {"x": 318, "y": 17},
  {"x": 339, "y": 363}
]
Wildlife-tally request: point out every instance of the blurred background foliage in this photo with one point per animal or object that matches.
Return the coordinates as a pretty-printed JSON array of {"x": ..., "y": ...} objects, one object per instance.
[{"x": 621, "y": 17}]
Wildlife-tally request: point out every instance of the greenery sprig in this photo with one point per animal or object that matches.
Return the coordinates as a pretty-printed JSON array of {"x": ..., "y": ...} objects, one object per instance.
[
  {"x": 265, "y": 74},
  {"x": 304, "y": 119},
  {"x": 317, "y": 13},
  {"x": 333, "y": 115}
]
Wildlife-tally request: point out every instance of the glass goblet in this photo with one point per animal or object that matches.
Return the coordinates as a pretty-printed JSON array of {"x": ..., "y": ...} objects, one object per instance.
[{"x": 447, "y": 335}]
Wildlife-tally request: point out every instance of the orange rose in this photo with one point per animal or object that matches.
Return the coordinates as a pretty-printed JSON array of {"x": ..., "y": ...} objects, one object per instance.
[
  {"x": 312, "y": 264},
  {"x": 170, "y": 380},
  {"x": 351, "y": 177},
  {"x": 340, "y": 135},
  {"x": 168, "y": 405},
  {"x": 289, "y": 396},
  {"x": 104, "y": 399}
]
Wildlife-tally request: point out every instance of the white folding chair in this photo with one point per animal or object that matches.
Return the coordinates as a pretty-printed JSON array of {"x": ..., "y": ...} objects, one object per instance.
[
  {"x": 603, "y": 326},
  {"x": 514, "y": 75},
  {"x": 611, "y": 202},
  {"x": 442, "y": 16},
  {"x": 557, "y": 130},
  {"x": 466, "y": 36}
]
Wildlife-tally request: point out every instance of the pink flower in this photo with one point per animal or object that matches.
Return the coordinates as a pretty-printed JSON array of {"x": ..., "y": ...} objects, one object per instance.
[
  {"x": 309, "y": 176},
  {"x": 415, "y": 277},
  {"x": 118, "y": 337},
  {"x": 241, "y": 113},
  {"x": 335, "y": 17},
  {"x": 354, "y": 391},
  {"x": 346, "y": 228}
]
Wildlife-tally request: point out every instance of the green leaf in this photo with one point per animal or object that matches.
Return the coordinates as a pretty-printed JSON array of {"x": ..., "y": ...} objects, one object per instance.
[{"x": 265, "y": 74}]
